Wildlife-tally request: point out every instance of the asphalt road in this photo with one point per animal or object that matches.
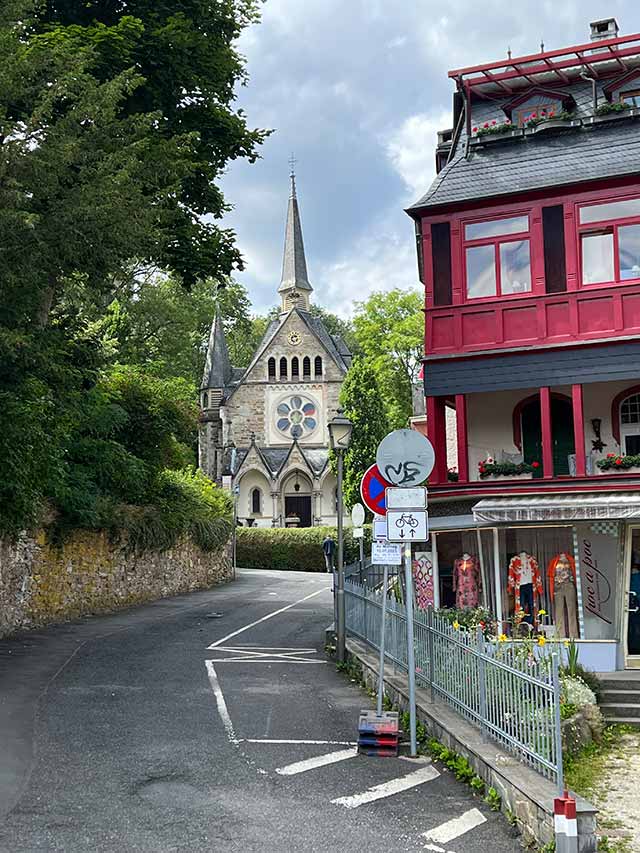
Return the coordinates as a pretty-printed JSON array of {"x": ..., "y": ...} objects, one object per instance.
[{"x": 128, "y": 733}]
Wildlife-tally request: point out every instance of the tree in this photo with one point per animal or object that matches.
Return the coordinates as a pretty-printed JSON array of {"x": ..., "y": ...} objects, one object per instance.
[
  {"x": 188, "y": 66},
  {"x": 337, "y": 326},
  {"x": 360, "y": 399},
  {"x": 389, "y": 329}
]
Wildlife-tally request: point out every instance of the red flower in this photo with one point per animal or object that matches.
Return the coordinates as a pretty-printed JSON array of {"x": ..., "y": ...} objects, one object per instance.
[
  {"x": 475, "y": 129},
  {"x": 494, "y": 122},
  {"x": 552, "y": 113},
  {"x": 535, "y": 464},
  {"x": 533, "y": 115},
  {"x": 508, "y": 121},
  {"x": 543, "y": 112},
  {"x": 618, "y": 461},
  {"x": 486, "y": 124}
]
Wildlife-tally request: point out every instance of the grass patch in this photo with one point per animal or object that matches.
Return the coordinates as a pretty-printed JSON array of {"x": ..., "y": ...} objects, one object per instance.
[{"x": 584, "y": 772}]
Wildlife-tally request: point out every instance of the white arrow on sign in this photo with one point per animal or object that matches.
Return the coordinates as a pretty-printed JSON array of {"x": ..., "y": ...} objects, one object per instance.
[{"x": 408, "y": 525}]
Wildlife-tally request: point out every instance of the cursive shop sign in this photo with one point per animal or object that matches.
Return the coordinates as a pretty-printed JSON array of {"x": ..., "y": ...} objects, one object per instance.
[{"x": 598, "y": 571}]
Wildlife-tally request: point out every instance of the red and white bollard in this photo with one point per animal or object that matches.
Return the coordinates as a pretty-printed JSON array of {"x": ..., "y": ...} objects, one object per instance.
[{"x": 566, "y": 824}]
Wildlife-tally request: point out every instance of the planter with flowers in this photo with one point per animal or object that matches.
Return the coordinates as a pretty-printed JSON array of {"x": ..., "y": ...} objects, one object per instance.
[
  {"x": 488, "y": 469},
  {"x": 609, "y": 112},
  {"x": 493, "y": 129},
  {"x": 537, "y": 122},
  {"x": 615, "y": 462}
]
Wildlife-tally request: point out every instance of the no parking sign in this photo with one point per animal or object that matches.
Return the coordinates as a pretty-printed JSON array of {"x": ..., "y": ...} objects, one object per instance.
[{"x": 372, "y": 489}]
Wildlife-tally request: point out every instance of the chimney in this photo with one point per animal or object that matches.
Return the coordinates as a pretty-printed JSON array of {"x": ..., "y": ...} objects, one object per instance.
[{"x": 605, "y": 29}]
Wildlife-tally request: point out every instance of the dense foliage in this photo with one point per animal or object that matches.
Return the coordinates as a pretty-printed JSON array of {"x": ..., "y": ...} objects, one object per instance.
[
  {"x": 292, "y": 549},
  {"x": 360, "y": 399},
  {"x": 113, "y": 130}
]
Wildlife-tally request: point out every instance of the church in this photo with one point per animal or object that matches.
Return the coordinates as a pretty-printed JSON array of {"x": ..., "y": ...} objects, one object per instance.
[{"x": 263, "y": 429}]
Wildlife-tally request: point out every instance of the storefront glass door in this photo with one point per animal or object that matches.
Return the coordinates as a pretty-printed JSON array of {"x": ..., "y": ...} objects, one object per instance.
[{"x": 633, "y": 601}]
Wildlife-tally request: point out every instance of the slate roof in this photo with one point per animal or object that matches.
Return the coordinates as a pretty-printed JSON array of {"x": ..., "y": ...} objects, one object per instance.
[
  {"x": 275, "y": 458},
  {"x": 557, "y": 158},
  {"x": 294, "y": 264},
  {"x": 316, "y": 325},
  {"x": 218, "y": 371}
]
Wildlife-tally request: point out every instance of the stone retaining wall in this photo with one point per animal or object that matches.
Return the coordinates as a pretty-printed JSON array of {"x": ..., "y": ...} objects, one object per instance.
[{"x": 42, "y": 582}]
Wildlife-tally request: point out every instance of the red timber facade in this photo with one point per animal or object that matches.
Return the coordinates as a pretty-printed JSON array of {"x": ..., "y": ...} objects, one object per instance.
[{"x": 529, "y": 251}]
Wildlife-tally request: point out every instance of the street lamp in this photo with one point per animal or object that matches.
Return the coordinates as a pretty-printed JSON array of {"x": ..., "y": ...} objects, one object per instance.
[{"x": 340, "y": 429}]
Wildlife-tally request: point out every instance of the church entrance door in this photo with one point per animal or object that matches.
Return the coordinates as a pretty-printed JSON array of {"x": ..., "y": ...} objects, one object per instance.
[{"x": 299, "y": 505}]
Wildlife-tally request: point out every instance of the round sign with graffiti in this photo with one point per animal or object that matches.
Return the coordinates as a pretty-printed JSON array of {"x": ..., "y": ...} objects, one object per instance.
[{"x": 405, "y": 457}]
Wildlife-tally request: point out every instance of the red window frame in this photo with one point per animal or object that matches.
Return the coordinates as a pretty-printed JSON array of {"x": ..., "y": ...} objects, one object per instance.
[
  {"x": 605, "y": 226},
  {"x": 496, "y": 241}
]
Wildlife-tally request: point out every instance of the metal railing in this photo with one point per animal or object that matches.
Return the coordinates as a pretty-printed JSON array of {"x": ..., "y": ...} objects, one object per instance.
[{"x": 514, "y": 697}]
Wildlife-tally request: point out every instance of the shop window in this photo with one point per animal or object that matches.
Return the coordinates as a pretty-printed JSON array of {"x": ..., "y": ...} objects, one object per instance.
[
  {"x": 630, "y": 425},
  {"x": 317, "y": 367},
  {"x": 610, "y": 241},
  {"x": 306, "y": 367},
  {"x": 632, "y": 98},
  {"x": 283, "y": 368},
  {"x": 271, "y": 367},
  {"x": 256, "y": 501},
  {"x": 496, "y": 263},
  {"x": 295, "y": 368}
]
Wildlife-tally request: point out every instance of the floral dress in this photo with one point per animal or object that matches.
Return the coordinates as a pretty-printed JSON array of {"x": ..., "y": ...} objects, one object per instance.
[{"x": 467, "y": 582}]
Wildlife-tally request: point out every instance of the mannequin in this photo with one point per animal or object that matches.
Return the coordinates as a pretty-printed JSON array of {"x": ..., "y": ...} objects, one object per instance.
[
  {"x": 561, "y": 572},
  {"x": 423, "y": 579},
  {"x": 525, "y": 581},
  {"x": 467, "y": 582}
]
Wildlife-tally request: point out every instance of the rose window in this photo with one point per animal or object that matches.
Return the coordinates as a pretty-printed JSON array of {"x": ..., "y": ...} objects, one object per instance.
[{"x": 297, "y": 416}]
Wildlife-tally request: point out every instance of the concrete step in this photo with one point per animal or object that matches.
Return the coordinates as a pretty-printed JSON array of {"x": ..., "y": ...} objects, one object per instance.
[
  {"x": 634, "y": 722},
  {"x": 624, "y": 683},
  {"x": 620, "y": 710},
  {"x": 618, "y": 695}
]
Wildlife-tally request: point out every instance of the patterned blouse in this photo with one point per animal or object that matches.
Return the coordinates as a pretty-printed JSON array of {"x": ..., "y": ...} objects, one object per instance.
[{"x": 521, "y": 565}]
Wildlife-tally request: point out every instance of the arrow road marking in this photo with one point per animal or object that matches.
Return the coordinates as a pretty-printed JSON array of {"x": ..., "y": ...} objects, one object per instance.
[
  {"x": 453, "y": 829},
  {"x": 317, "y": 761},
  {"x": 387, "y": 789}
]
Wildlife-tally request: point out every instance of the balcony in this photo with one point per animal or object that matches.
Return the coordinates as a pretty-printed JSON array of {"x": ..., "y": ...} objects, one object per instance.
[
  {"x": 558, "y": 434},
  {"x": 588, "y": 314}
]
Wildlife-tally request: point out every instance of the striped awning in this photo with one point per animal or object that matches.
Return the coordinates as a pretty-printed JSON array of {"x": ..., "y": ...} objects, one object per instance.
[{"x": 589, "y": 507}]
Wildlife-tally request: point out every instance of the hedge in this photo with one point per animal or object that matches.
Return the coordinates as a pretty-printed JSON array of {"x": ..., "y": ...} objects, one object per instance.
[{"x": 291, "y": 548}]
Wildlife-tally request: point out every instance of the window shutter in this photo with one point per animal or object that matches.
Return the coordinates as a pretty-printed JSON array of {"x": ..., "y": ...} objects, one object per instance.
[
  {"x": 441, "y": 256},
  {"x": 555, "y": 269}
]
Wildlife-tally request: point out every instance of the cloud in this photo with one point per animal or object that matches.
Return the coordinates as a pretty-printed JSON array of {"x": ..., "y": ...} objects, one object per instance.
[{"x": 411, "y": 149}]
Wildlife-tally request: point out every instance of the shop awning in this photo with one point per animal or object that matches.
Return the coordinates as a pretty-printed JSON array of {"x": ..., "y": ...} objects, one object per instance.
[{"x": 617, "y": 506}]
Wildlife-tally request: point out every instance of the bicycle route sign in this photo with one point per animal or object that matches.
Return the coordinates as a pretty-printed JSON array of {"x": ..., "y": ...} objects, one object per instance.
[
  {"x": 407, "y": 525},
  {"x": 372, "y": 489}
]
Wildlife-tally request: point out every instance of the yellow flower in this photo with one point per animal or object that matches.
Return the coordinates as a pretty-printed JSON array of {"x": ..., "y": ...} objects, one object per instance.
[
  {"x": 502, "y": 638},
  {"x": 541, "y": 641},
  {"x": 542, "y": 612},
  {"x": 567, "y": 644},
  {"x": 456, "y": 624}
]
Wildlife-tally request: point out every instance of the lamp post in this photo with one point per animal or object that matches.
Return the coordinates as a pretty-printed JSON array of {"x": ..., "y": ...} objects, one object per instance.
[{"x": 340, "y": 429}]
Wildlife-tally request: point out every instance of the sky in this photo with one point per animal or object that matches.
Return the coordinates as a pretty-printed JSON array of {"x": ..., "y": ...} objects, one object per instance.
[{"x": 357, "y": 90}]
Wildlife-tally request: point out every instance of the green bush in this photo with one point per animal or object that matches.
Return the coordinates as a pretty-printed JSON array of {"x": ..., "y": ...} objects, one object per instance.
[{"x": 291, "y": 548}]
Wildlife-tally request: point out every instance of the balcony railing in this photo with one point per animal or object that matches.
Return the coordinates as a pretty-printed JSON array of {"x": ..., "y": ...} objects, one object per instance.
[{"x": 593, "y": 313}]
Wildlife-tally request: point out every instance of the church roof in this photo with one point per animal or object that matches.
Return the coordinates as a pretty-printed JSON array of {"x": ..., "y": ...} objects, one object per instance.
[
  {"x": 218, "y": 371},
  {"x": 294, "y": 264},
  {"x": 275, "y": 458},
  {"x": 328, "y": 341}
]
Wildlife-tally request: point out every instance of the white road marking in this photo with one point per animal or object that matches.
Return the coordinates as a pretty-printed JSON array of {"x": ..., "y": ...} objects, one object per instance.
[
  {"x": 316, "y": 761},
  {"x": 221, "y": 704},
  {"x": 258, "y": 654},
  {"x": 435, "y": 848},
  {"x": 453, "y": 829},
  {"x": 387, "y": 789},
  {"x": 295, "y": 742},
  {"x": 264, "y": 618}
]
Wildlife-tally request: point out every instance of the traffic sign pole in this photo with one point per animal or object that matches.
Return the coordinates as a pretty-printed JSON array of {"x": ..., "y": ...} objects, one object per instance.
[
  {"x": 411, "y": 662},
  {"x": 383, "y": 624}
]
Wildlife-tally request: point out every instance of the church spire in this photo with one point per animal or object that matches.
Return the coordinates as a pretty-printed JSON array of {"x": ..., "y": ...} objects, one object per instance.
[
  {"x": 294, "y": 286},
  {"x": 217, "y": 368}
]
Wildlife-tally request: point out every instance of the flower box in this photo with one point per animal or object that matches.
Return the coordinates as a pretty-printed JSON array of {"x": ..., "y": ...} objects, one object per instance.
[
  {"x": 614, "y": 463},
  {"x": 556, "y": 123},
  {"x": 523, "y": 476},
  {"x": 605, "y": 118}
]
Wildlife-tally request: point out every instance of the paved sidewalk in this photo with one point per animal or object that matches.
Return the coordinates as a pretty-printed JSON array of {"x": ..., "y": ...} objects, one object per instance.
[{"x": 619, "y": 796}]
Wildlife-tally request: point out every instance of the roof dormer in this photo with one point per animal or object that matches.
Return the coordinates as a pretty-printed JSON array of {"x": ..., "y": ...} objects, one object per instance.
[{"x": 539, "y": 100}]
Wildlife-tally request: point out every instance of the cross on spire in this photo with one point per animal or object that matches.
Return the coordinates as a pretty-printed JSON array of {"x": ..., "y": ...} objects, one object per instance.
[{"x": 292, "y": 174}]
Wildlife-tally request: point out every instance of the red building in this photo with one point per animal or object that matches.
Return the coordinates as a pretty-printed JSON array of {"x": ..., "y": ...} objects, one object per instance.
[{"x": 529, "y": 251}]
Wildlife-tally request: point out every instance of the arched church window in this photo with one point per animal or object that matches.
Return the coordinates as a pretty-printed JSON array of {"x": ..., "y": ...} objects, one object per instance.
[
  {"x": 271, "y": 367},
  {"x": 297, "y": 416},
  {"x": 630, "y": 425},
  {"x": 256, "y": 501},
  {"x": 283, "y": 368},
  {"x": 306, "y": 367},
  {"x": 318, "y": 366},
  {"x": 295, "y": 368}
]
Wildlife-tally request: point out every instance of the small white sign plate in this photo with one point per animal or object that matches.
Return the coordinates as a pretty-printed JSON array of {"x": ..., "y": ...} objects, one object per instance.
[
  {"x": 386, "y": 554},
  {"x": 357, "y": 515},
  {"x": 413, "y": 498},
  {"x": 380, "y": 529},
  {"x": 357, "y": 532},
  {"x": 408, "y": 525}
]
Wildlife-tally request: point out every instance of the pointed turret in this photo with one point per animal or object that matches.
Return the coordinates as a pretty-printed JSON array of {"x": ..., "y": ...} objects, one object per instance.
[
  {"x": 294, "y": 287},
  {"x": 217, "y": 368}
]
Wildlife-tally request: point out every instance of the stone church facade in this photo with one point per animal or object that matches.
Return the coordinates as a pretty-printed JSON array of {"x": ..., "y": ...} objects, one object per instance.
[{"x": 263, "y": 429}]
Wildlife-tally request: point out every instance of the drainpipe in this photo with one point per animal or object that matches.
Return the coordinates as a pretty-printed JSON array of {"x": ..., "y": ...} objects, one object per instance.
[
  {"x": 467, "y": 113},
  {"x": 594, "y": 89}
]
